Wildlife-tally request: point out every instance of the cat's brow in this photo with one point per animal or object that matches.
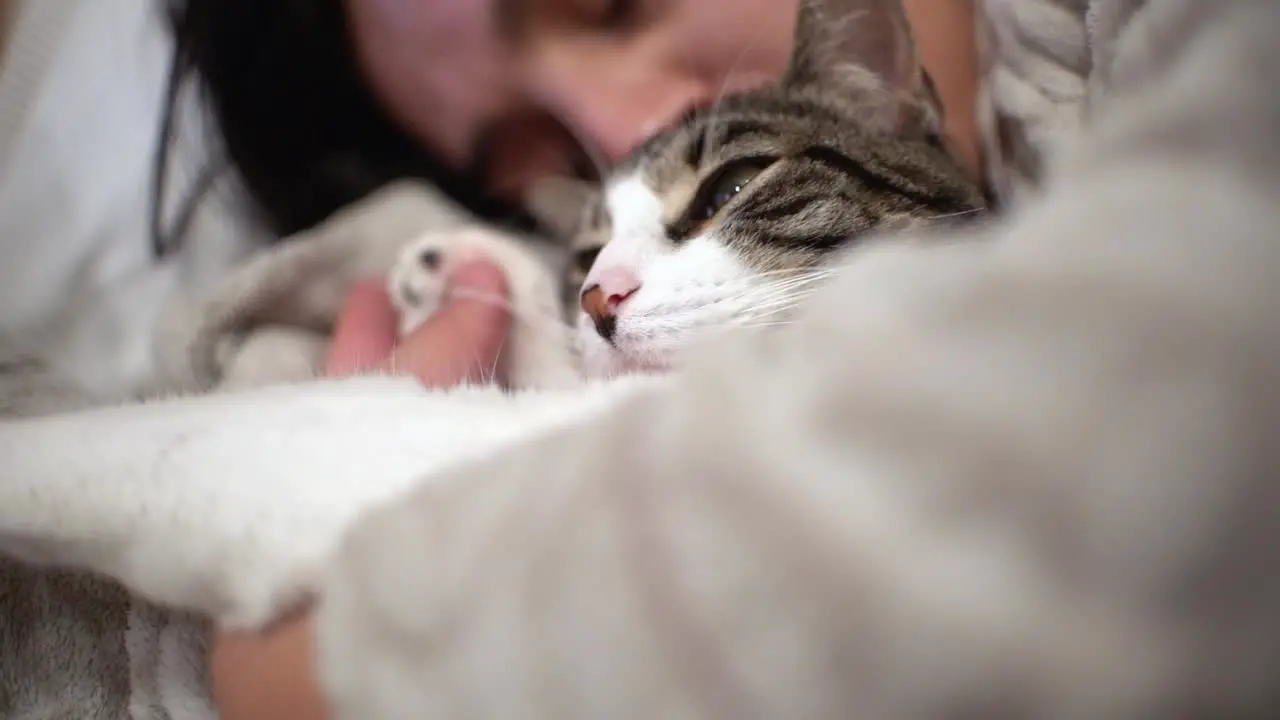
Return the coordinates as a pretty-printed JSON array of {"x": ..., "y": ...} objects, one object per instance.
[
  {"x": 879, "y": 179},
  {"x": 726, "y": 132}
]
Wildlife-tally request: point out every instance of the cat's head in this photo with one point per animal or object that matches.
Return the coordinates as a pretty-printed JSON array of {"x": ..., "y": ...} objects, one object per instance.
[{"x": 726, "y": 218}]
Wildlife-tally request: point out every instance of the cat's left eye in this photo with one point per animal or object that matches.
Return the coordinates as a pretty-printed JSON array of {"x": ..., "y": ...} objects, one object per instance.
[
  {"x": 722, "y": 187},
  {"x": 715, "y": 193}
]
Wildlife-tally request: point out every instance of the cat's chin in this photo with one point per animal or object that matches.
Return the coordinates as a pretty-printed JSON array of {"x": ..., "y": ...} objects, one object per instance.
[
  {"x": 617, "y": 364},
  {"x": 628, "y": 364},
  {"x": 623, "y": 369}
]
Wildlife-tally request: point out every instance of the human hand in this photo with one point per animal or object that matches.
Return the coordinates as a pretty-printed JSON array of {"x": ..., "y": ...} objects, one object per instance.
[
  {"x": 272, "y": 674},
  {"x": 460, "y": 343}
]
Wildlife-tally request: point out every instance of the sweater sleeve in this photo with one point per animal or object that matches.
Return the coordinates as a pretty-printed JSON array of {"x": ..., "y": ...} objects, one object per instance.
[
  {"x": 908, "y": 502},
  {"x": 966, "y": 477},
  {"x": 766, "y": 538}
]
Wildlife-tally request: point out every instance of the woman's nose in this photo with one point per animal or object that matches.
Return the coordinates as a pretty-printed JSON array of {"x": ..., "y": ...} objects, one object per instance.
[
  {"x": 613, "y": 102},
  {"x": 616, "y": 120}
]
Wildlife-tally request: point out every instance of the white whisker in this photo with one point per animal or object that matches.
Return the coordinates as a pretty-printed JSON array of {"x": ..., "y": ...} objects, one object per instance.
[
  {"x": 707, "y": 136},
  {"x": 766, "y": 324},
  {"x": 593, "y": 155},
  {"x": 960, "y": 213},
  {"x": 540, "y": 322}
]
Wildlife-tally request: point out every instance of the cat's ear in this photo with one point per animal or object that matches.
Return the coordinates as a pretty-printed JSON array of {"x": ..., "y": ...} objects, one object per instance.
[
  {"x": 863, "y": 51},
  {"x": 560, "y": 204}
]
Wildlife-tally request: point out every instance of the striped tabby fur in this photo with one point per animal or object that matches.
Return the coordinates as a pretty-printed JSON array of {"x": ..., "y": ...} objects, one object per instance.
[{"x": 848, "y": 142}]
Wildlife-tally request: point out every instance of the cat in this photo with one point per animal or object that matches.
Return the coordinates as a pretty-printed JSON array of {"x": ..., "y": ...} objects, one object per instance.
[{"x": 724, "y": 220}]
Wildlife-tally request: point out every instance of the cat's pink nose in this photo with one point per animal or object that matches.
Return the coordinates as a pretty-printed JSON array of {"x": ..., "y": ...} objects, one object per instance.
[
  {"x": 616, "y": 284},
  {"x": 602, "y": 295}
]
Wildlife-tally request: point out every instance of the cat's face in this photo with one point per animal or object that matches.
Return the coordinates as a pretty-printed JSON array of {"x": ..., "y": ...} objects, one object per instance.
[{"x": 728, "y": 218}]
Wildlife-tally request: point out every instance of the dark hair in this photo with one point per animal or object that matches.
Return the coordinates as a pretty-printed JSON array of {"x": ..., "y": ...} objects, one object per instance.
[{"x": 299, "y": 124}]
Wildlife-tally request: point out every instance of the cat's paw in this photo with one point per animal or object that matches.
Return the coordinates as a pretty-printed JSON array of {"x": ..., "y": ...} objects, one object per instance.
[
  {"x": 418, "y": 280},
  {"x": 537, "y": 352}
]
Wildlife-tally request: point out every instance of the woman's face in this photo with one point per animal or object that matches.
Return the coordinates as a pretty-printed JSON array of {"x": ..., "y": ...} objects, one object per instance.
[{"x": 519, "y": 89}]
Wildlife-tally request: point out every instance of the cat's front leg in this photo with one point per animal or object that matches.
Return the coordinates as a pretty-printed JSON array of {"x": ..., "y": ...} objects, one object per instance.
[{"x": 227, "y": 505}]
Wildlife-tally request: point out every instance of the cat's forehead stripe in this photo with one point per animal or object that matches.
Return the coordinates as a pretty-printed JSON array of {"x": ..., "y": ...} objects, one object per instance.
[
  {"x": 633, "y": 206},
  {"x": 718, "y": 132},
  {"x": 636, "y": 212}
]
